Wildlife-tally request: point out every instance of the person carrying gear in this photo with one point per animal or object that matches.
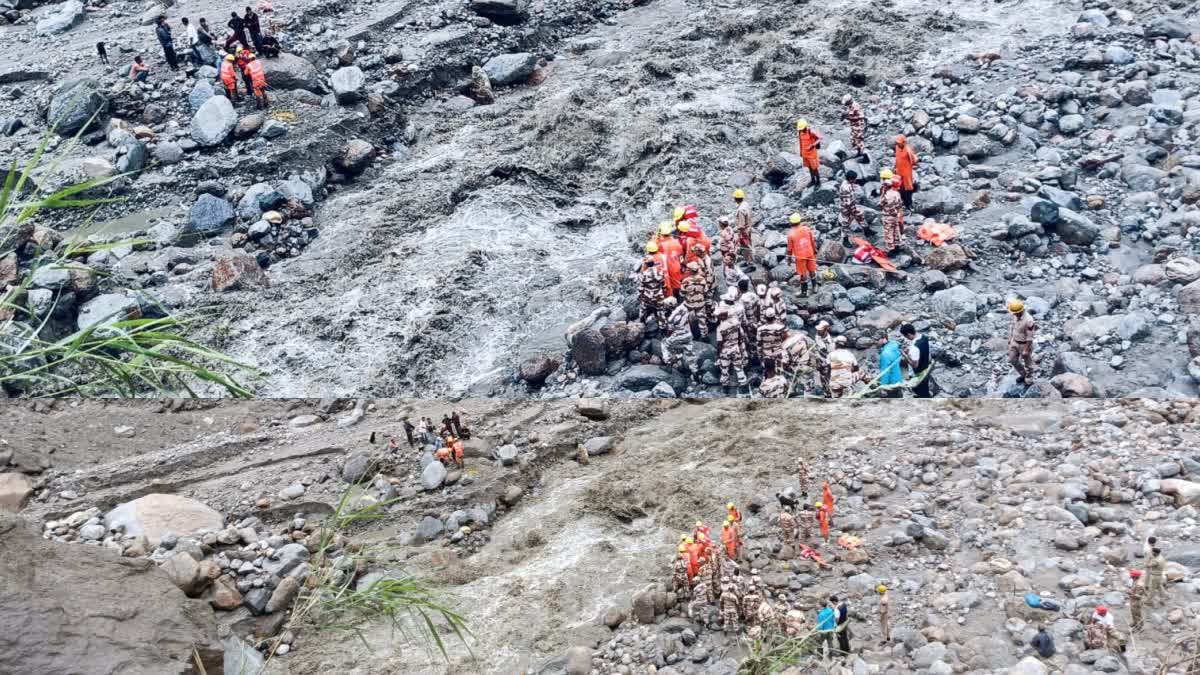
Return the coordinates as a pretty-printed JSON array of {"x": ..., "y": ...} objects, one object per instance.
[
  {"x": 776, "y": 301},
  {"x": 893, "y": 214},
  {"x": 906, "y": 161},
  {"x": 727, "y": 243},
  {"x": 731, "y": 511},
  {"x": 1136, "y": 593},
  {"x": 848, "y": 201},
  {"x": 651, "y": 286},
  {"x": 677, "y": 347},
  {"x": 696, "y": 299},
  {"x": 802, "y": 246},
  {"x": 731, "y": 349},
  {"x": 1020, "y": 340},
  {"x": 748, "y": 299},
  {"x": 460, "y": 451},
  {"x": 797, "y": 361},
  {"x": 697, "y": 609},
  {"x": 679, "y": 573},
  {"x": 884, "y": 604},
  {"x": 228, "y": 76},
  {"x": 258, "y": 79},
  {"x": 774, "y": 384},
  {"x": 771, "y": 335},
  {"x": 810, "y": 142},
  {"x": 243, "y": 57},
  {"x": 443, "y": 455},
  {"x": 787, "y": 523},
  {"x": 729, "y": 606},
  {"x": 853, "y": 114},
  {"x": 744, "y": 221},
  {"x": 672, "y": 250}
]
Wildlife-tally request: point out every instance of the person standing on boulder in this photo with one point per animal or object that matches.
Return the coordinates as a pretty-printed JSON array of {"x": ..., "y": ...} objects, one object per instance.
[
  {"x": 854, "y": 116},
  {"x": 727, "y": 243},
  {"x": 238, "y": 26},
  {"x": 810, "y": 142},
  {"x": 906, "y": 161},
  {"x": 802, "y": 246},
  {"x": 250, "y": 21},
  {"x": 744, "y": 221},
  {"x": 848, "y": 201},
  {"x": 163, "y": 32},
  {"x": 892, "y": 205},
  {"x": 1020, "y": 340}
]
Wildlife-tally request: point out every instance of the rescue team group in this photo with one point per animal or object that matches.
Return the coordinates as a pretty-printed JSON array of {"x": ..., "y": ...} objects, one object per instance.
[{"x": 677, "y": 287}]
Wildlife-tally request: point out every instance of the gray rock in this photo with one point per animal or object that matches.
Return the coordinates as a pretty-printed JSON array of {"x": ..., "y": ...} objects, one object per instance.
[
  {"x": 959, "y": 303},
  {"x": 348, "y": 84},
  {"x": 288, "y": 71},
  {"x": 293, "y": 491},
  {"x": 51, "y": 276},
  {"x": 1044, "y": 212},
  {"x": 1071, "y": 124},
  {"x": 208, "y": 218},
  {"x": 507, "y": 454},
  {"x": 429, "y": 529},
  {"x": 599, "y": 445},
  {"x": 512, "y": 495},
  {"x": 213, "y": 122},
  {"x": 357, "y": 468},
  {"x": 1167, "y": 27},
  {"x": 589, "y": 351},
  {"x": 286, "y": 560},
  {"x": 642, "y": 377},
  {"x": 201, "y": 92},
  {"x": 1076, "y": 229},
  {"x": 508, "y": 69},
  {"x": 579, "y": 661},
  {"x": 256, "y": 600},
  {"x": 131, "y": 155},
  {"x": 248, "y": 126},
  {"x": 503, "y": 12},
  {"x": 259, "y": 198},
  {"x": 433, "y": 476},
  {"x": 168, "y": 153},
  {"x": 65, "y": 17},
  {"x": 295, "y": 188},
  {"x": 74, "y": 103},
  {"x": 106, "y": 310},
  {"x": 354, "y": 157},
  {"x": 273, "y": 129}
]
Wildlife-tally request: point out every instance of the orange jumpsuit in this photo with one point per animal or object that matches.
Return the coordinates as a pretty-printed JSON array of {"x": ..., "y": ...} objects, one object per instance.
[
  {"x": 697, "y": 236},
  {"x": 258, "y": 78},
  {"x": 906, "y": 159},
  {"x": 694, "y": 551},
  {"x": 459, "y": 451},
  {"x": 823, "y": 519},
  {"x": 827, "y": 498},
  {"x": 802, "y": 246},
  {"x": 730, "y": 541},
  {"x": 671, "y": 252},
  {"x": 808, "y": 148},
  {"x": 229, "y": 78}
]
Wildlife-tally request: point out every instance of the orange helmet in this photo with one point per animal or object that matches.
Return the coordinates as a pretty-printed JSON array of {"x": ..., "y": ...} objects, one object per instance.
[{"x": 901, "y": 140}]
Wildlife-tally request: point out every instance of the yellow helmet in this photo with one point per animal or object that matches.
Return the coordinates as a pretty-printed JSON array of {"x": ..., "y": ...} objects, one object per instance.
[
  {"x": 729, "y": 519},
  {"x": 651, "y": 247},
  {"x": 886, "y": 174},
  {"x": 729, "y": 505},
  {"x": 689, "y": 540},
  {"x": 699, "y": 523},
  {"x": 683, "y": 536},
  {"x": 819, "y": 505},
  {"x": 665, "y": 229},
  {"x": 230, "y": 57},
  {"x": 682, "y": 548},
  {"x": 1015, "y": 306},
  {"x": 684, "y": 227},
  {"x": 801, "y": 125},
  {"x": 739, "y": 194},
  {"x": 794, "y": 219},
  {"x": 881, "y": 589},
  {"x": 678, "y": 214}
]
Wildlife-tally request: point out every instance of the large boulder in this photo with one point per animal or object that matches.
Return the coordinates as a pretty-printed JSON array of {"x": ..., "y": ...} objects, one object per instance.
[
  {"x": 507, "y": 69},
  {"x": 354, "y": 157},
  {"x": 1073, "y": 385},
  {"x": 288, "y": 71},
  {"x": 589, "y": 351},
  {"x": 71, "y": 609},
  {"x": 238, "y": 272},
  {"x": 1076, "y": 229},
  {"x": 1189, "y": 298},
  {"x": 15, "y": 490},
  {"x": 503, "y": 12},
  {"x": 208, "y": 218},
  {"x": 74, "y": 105},
  {"x": 65, "y": 17},
  {"x": 1167, "y": 27},
  {"x": 433, "y": 476},
  {"x": 107, "y": 309},
  {"x": 213, "y": 122},
  {"x": 947, "y": 257},
  {"x": 958, "y": 303},
  {"x": 643, "y": 377},
  {"x": 1182, "y": 270},
  {"x": 157, "y": 515},
  {"x": 201, "y": 92},
  {"x": 348, "y": 84}
]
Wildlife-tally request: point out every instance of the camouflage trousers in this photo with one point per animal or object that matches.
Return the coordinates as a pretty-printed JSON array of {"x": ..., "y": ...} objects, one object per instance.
[
  {"x": 858, "y": 137},
  {"x": 729, "y": 615},
  {"x": 697, "y": 610},
  {"x": 884, "y": 625},
  {"x": 893, "y": 235},
  {"x": 678, "y": 351},
  {"x": 701, "y": 317},
  {"x": 732, "y": 363},
  {"x": 1136, "y": 621},
  {"x": 682, "y": 588},
  {"x": 852, "y": 214},
  {"x": 652, "y": 306}
]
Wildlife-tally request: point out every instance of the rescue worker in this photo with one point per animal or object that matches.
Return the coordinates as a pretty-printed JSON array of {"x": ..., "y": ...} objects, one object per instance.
[
  {"x": 1136, "y": 592},
  {"x": 776, "y": 301},
  {"x": 751, "y": 310},
  {"x": 651, "y": 286},
  {"x": 751, "y": 600},
  {"x": 827, "y": 499},
  {"x": 884, "y": 603},
  {"x": 802, "y": 476},
  {"x": 727, "y": 242},
  {"x": 679, "y": 574},
  {"x": 806, "y": 519},
  {"x": 258, "y": 80},
  {"x": 1100, "y": 632},
  {"x": 1020, "y": 340},
  {"x": 242, "y": 58},
  {"x": 731, "y": 350},
  {"x": 787, "y": 524},
  {"x": 690, "y": 236},
  {"x": 823, "y": 346},
  {"x": 771, "y": 335},
  {"x": 460, "y": 451},
  {"x": 677, "y": 347},
  {"x": 730, "y": 606},
  {"x": 853, "y": 114},
  {"x": 797, "y": 361},
  {"x": 710, "y": 281},
  {"x": 802, "y": 246},
  {"x": 1156, "y": 569},
  {"x": 768, "y": 617},
  {"x": 848, "y": 201},
  {"x": 696, "y": 299},
  {"x": 774, "y": 384},
  {"x": 672, "y": 250},
  {"x": 697, "y": 609},
  {"x": 906, "y": 161},
  {"x": 744, "y": 222},
  {"x": 729, "y": 539},
  {"x": 695, "y": 551},
  {"x": 730, "y": 301},
  {"x": 732, "y": 514},
  {"x": 893, "y": 214},
  {"x": 822, "y": 516},
  {"x": 810, "y": 142},
  {"x": 794, "y": 624},
  {"x": 843, "y": 369}
]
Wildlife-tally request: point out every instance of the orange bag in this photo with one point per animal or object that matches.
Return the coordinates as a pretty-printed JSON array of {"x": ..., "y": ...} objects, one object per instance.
[{"x": 936, "y": 233}]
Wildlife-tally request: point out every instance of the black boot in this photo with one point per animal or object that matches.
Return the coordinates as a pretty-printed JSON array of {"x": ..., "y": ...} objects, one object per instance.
[{"x": 815, "y": 174}]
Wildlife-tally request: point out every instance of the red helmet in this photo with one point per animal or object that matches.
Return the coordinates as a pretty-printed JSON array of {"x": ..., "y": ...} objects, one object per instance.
[
  {"x": 1101, "y": 610},
  {"x": 1135, "y": 573},
  {"x": 690, "y": 213}
]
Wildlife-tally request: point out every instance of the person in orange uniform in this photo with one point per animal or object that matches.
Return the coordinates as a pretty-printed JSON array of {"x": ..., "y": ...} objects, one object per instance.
[
  {"x": 258, "y": 79},
  {"x": 823, "y": 520},
  {"x": 802, "y": 246},
  {"x": 228, "y": 75},
  {"x": 810, "y": 143},
  {"x": 695, "y": 553},
  {"x": 691, "y": 234},
  {"x": 460, "y": 451},
  {"x": 672, "y": 252},
  {"x": 729, "y": 539},
  {"x": 731, "y": 511},
  {"x": 827, "y": 499},
  {"x": 906, "y": 161}
]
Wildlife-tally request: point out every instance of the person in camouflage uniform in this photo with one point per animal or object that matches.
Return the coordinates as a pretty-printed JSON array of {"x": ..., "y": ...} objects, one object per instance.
[
  {"x": 1136, "y": 592},
  {"x": 806, "y": 520},
  {"x": 710, "y": 281},
  {"x": 787, "y": 523},
  {"x": 731, "y": 349},
  {"x": 728, "y": 245},
  {"x": 751, "y": 600},
  {"x": 697, "y": 299},
  {"x": 679, "y": 574},
  {"x": 854, "y": 116},
  {"x": 768, "y": 617},
  {"x": 650, "y": 290},
  {"x": 677, "y": 347},
  {"x": 848, "y": 201},
  {"x": 796, "y": 361},
  {"x": 697, "y": 609},
  {"x": 802, "y": 476},
  {"x": 752, "y": 316},
  {"x": 729, "y": 605},
  {"x": 794, "y": 624},
  {"x": 892, "y": 206},
  {"x": 744, "y": 219},
  {"x": 774, "y": 384},
  {"x": 776, "y": 301},
  {"x": 771, "y": 334}
]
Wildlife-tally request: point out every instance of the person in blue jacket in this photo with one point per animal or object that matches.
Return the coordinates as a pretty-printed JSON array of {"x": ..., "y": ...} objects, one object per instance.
[
  {"x": 891, "y": 368},
  {"x": 826, "y": 625}
]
